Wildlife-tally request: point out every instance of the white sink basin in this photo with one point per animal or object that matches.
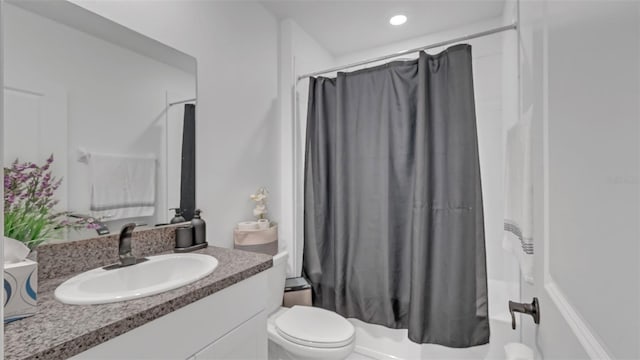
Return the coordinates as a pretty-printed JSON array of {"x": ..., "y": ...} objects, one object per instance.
[{"x": 158, "y": 274}]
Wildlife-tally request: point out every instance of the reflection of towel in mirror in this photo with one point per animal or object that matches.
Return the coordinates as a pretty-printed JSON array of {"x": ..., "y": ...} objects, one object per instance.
[
  {"x": 518, "y": 216},
  {"x": 122, "y": 186}
]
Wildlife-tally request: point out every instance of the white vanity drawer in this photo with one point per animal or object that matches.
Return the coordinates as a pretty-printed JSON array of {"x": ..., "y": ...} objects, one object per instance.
[{"x": 247, "y": 341}]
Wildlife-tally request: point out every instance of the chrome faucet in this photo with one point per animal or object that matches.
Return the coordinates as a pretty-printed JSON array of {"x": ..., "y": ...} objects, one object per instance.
[{"x": 532, "y": 309}]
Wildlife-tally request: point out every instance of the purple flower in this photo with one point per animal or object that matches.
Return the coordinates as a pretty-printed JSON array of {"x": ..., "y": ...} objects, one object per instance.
[{"x": 30, "y": 188}]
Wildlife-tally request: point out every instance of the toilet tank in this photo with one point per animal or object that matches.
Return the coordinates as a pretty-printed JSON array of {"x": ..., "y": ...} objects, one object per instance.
[{"x": 276, "y": 277}]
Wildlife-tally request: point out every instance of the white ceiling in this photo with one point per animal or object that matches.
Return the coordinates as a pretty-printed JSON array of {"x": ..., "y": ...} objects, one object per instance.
[{"x": 347, "y": 26}]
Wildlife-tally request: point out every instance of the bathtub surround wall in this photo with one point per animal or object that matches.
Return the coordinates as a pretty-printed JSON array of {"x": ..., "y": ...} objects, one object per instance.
[
  {"x": 504, "y": 268},
  {"x": 238, "y": 137},
  {"x": 391, "y": 226}
]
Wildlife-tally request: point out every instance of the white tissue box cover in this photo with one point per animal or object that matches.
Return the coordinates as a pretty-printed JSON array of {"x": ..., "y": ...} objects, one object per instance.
[{"x": 20, "y": 290}]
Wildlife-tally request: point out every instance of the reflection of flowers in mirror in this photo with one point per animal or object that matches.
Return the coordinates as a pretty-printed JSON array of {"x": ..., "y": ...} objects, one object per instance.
[
  {"x": 29, "y": 202},
  {"x": 260, "y": 197},
  {"x": 82, "y": 221}
]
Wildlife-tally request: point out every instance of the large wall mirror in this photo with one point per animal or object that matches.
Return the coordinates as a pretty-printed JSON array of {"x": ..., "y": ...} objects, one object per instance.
[{"x": 115, "y": 108}]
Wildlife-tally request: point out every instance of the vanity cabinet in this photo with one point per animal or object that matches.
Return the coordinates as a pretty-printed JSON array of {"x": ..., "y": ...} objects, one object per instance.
[
  {"x": 229, "y": 324},
  {"x": 243, "y": 342}
]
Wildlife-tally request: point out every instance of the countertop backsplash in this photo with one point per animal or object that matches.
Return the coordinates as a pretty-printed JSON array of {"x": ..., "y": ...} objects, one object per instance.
[{"x": 60, "y": 259}]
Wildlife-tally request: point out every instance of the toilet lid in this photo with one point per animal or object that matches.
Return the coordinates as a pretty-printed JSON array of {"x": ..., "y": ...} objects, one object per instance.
[{"x": 314, "y": 327}]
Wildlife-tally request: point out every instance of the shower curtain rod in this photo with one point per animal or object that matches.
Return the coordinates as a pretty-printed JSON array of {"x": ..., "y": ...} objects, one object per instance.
[
  {"x": 512, "y": 26},
  {"x": 181, "y": 102}
]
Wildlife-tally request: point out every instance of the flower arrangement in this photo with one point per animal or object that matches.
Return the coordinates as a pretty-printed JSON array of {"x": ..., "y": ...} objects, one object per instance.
[
  {"x": 260, "y": 197},
  {"x": 29, "y": 214}
]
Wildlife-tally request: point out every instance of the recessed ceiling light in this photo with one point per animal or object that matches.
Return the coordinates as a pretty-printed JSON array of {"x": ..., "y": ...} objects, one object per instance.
[{"x": 398, "y": 20}]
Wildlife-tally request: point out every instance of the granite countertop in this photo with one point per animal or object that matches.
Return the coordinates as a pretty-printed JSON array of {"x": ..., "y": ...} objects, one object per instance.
[{"x": 59, "y": 331}]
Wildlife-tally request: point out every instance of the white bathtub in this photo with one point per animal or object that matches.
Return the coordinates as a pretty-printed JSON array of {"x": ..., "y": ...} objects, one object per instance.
[{"x": 379, "y": 342}]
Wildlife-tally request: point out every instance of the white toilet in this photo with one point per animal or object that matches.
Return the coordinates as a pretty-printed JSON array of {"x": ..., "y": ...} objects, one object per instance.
[{"x": 303, "y": 332}]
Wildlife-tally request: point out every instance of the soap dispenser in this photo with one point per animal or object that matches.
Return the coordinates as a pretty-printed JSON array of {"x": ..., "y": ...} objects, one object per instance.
[
  {"x": 199, "y": 228},
  {"x": 177, "y": 218}
]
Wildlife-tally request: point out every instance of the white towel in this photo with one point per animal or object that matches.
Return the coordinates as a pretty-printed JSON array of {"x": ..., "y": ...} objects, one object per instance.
[
  {"x": 518, "y": 216},
  {"x": 122, "y": 186}
]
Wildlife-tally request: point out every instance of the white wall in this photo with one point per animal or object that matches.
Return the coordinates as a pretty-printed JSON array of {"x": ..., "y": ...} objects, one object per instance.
[
  {"x": 507, "y": 264},
  {"x": 238, "y": 136},
  {"x": 299, "y": 54},
  {"x": 594, "y": 165},
  {"x": 581, "y": 79},
  {"x": 115, "y": 99}
]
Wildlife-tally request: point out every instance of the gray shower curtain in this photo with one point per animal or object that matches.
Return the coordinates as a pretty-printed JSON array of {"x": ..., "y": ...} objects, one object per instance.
[
  {"x": 188, "y": 163},
  {"x": 393, "y": 218}
]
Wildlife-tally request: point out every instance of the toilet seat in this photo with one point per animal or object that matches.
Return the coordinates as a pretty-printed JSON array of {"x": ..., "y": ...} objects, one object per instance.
[{"x": 314, "y": 327}]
